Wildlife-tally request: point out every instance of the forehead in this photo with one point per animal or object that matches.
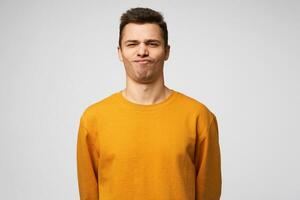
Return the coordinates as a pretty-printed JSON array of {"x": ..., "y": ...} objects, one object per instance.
[{"x": 142, "y": 31}]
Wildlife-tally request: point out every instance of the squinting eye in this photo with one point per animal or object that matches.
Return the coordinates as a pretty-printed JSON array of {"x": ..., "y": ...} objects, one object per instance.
[
  {"x": 153, "y": 44},
  {"x": 130, "y": 44}
]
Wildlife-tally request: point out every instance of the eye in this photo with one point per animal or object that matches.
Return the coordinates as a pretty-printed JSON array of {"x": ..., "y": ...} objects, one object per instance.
[
  {"x": 153, "y": 44},
  {"x": 131, "y": 44}
]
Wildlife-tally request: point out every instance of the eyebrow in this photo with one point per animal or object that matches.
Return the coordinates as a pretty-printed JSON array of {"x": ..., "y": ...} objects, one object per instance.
[{"x": 146, "y": 41}]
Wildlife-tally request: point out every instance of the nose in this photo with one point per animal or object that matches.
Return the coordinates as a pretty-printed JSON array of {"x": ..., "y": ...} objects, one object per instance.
[{"x": 142, "y": 50}]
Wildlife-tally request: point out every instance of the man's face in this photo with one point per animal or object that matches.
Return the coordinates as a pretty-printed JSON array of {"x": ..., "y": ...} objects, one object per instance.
[{"x": 143, "y": 52}]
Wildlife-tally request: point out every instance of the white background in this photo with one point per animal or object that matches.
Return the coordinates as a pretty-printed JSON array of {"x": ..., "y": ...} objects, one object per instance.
[{"x": 240, "y": 58}]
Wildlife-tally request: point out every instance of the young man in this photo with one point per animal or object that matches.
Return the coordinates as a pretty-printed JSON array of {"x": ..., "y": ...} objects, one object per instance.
[{"x": 147, "y": 141}]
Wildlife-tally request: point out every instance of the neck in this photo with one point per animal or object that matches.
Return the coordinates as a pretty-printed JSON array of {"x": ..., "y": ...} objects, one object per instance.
[{"x": 146, "y": 94}]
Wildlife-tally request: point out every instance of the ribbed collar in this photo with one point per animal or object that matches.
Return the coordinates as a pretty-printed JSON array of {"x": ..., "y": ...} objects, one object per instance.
[{"x": 140, "y": 107}]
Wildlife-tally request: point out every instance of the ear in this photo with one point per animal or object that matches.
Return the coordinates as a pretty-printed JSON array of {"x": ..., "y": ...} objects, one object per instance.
[
  {"x": 167, "y": 52},
  {"x": 120, "y": 54}
]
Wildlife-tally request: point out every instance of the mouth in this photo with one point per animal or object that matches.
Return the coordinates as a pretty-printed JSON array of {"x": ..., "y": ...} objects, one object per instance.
[{"x": 142, "y": 61}]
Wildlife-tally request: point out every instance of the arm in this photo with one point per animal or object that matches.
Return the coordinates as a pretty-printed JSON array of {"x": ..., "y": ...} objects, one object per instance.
[
  {"x": 208, "y": 161},
  {"x": 87, "y": 164}
]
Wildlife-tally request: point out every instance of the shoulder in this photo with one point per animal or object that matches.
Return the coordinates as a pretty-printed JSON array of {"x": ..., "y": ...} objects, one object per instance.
[
  {"x": 92, "y": 112},
  {"x": 196, "y": 106}
]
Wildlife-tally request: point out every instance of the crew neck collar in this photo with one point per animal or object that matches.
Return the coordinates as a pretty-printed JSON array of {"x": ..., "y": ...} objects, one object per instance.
[{"x": 141, "y": 107}]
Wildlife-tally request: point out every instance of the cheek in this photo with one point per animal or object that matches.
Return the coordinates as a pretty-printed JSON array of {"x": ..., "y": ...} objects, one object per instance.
[
  {"x": 129, "y": 52},
  {"x": 160, "y": 57},
  {"x": 159, "y": 54}
]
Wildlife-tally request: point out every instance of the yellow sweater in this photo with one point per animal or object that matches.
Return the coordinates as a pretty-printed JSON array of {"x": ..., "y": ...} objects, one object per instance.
[{"x": 164, "y": 151}]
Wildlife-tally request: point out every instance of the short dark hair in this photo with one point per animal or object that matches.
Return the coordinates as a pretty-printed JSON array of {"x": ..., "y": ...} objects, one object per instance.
[{"x": 140, "y": 15}]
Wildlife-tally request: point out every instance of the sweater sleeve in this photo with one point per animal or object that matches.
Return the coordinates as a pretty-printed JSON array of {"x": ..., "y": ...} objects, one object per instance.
[
  {"x": 87, "y": 164},
  {"x": 208, "y": 162}
]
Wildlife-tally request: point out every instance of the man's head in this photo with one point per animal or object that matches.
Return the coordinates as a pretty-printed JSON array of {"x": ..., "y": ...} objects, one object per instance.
[
  {"x": 143, "y": 44},
  {"x": 142, "y": 16}
]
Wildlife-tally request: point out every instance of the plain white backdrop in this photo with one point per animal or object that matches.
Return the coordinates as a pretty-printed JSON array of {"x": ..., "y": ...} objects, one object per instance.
[{"x": 240, "y": 58}]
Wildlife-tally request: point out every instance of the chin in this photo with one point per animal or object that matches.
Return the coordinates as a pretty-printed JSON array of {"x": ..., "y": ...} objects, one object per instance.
[{"x": 145, "y": 79}]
